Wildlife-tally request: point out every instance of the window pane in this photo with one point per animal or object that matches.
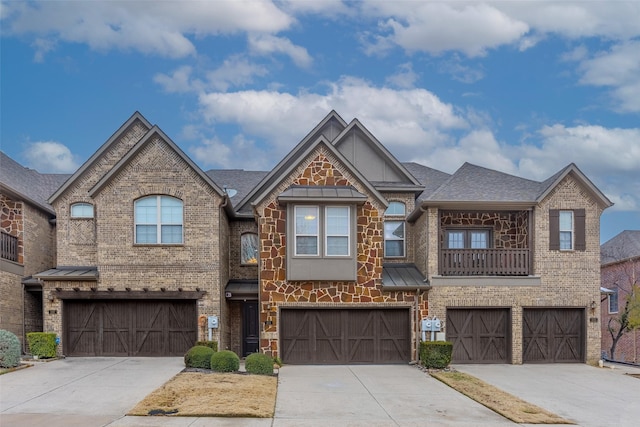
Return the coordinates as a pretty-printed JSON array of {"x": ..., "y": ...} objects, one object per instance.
[
  {"x": 566, "y": 221},
  {"x": 455, "y": 240},
  {"x": 307, "y": 220},
  {"x": 565, "y": 240},
  {"x": 337, "y": 221},
  {"x": 479, "y": 239},
  {"x": 146, "y": 234},
  {"x": 82, "y": 210},
  {"x": 306, "y": 245},
  {"x": 393, "y": 248},
  {"x": 146, "y": 211},
  {"x": 249, "y": 249},
  {"x": 171, "y": 211},
  {"x": 395, "y": 208},
  {"x": 613, "y": 302},
  {"x": 171, "y": 234},
  {"x": 394, "y": 230},
  {"x": 337, "y": 246}
]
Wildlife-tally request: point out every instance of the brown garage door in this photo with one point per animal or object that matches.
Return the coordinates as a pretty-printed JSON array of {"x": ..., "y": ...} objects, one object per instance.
[
  {"x": 479, "y": 335},
  {"x": 345, "y": 336},
  {"x": 129, "y": 327},
  {"x": 553, "y": 335}
]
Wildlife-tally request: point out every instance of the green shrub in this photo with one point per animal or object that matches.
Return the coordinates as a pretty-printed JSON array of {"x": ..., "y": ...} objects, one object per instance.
[
  {"x": 9, "y": 349},
  {"x": 259, "y": 363},
  {"x": 210, "y": 344},
  {"x": 42, "y": 344},
  {"x": 225, "y": 361},
  {"x": 198, "y": 356},
  {"x": 436, "y": 354}
]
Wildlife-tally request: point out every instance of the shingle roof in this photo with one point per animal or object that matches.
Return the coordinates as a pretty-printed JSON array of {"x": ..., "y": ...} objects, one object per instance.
[
  {"x": 236, "y": 179},
  {"x": 475, "y": 183},
  {"x": 33, "y": 185},
  {"x": 432, "y": 179},
  {"x": 625, "y": 245}
]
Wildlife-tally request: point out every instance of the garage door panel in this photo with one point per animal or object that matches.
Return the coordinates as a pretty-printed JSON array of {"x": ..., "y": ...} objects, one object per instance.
[
  {"x": 339, "y": 336},
  {"x": 553, "y": 335},
  {"x": 129, "y": 327},
  {"x": 479, "y": 335}
]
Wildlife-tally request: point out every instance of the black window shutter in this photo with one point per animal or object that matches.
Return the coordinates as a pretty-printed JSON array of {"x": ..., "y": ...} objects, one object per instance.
[
  {"x": 580, "y": 229},
  {"x": 554, "y": 230}
]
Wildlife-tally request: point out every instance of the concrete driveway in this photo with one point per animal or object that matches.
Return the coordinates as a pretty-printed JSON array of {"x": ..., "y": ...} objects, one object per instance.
[
  {"x": 99, "y": 391},
  {"x": 80, "y": 391},
  {"x": 586, "y": 395}
]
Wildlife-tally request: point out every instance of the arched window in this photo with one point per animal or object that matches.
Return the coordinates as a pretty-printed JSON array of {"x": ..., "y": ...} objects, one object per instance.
[
  {"x": 249, "y": 248},
  {"x": 81, "y": 210},
  {"x": 158, "y": 220},
  {"x": 394, "y": 236}
]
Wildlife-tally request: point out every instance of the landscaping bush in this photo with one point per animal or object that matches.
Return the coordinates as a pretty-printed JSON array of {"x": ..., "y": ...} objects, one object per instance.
[
  {"x": 259, "y": 363},
  {"x": 9, "y": 349},
  {"x": 225, "y": 361},
  {"x": 210, "y": 344},
  {"x": 436, "y": 354},
  {"x": 42, "y": 344},
  {"x": 198, "y": 356}
]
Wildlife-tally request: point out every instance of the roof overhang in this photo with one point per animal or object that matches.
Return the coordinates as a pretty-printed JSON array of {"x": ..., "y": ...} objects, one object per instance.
[
  {"x": 606, "y": 291},
  {"x": 469, "y": 205},
  {"x": 402, "y": 277},
  {"x": 321, "y": 194},
  {"x": 241, "y": 290},
  {"x": 85, "y": 274},
  {"x": 123, "y": 295}
]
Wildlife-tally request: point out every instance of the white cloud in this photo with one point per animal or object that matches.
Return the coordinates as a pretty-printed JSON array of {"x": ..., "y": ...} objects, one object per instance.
[
  {"x": 437, "y": 27},
  {"x": 404, "y": 78},
  {"x": 241, "y": 153},
  {"x": 50, "y": 157},
  {"x": 235, "y": 71},
  {"x": 264, "y": 44},
  {"x": 179, "y": 81},
  {"x": 405, "y": 120},
  {"x": 618, "y": 68},
  {"x": 158, "y": 28}
]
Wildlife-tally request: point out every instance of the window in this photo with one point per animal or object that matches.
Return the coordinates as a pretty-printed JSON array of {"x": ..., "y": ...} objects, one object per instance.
[
  {"x": 158, "y": 219},
  {"x": 467, "y": 239},
  {"x": 81, "y": 210},
  {"x": 337, "y": 230},
  {"x": 394, "y": 231},
  {"x": 613, "y": 301},
  {"x": 249, "y": 248},
  {"x": 566, "y": 230}
]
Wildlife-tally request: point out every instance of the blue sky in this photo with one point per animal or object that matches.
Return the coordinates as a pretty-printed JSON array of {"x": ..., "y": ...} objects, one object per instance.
[{"x": 524, "y": 87}]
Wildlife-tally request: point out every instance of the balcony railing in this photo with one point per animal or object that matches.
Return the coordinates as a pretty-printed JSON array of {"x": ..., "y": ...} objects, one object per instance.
[
  {"x": 484, "y": 262},
  {"x": 8, "y": 246}
]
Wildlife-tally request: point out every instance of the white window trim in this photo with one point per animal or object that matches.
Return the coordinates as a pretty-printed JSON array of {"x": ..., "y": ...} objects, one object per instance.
[
  {"x": 572, "y": 230},
  {"x": 158, "y": 222},
  {"x": 296, "y": 235},
  {"x": 327, "y": 235},
  {"x": 83, "y": 204}
]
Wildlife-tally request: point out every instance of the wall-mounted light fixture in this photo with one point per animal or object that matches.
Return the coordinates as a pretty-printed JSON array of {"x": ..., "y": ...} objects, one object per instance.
[{"x": 593, "y": 305}]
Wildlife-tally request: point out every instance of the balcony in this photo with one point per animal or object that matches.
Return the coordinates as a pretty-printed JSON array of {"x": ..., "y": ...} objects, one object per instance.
[
  {"x": 484, "y": 262},
  {"x": 8, "y": 247}
]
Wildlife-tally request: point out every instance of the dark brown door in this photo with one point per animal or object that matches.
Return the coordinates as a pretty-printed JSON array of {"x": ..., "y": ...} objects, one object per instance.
[
  {"x": 553, "y": 335},
  {"x": 479, "y": 335},
  {"x": 344, "y": 336},
  {"x": 250, "y": 333},
  {"x": 129, "y": 327}
]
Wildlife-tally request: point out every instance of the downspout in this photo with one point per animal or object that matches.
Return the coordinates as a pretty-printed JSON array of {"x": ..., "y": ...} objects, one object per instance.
[
  {"x": 225, "y": 202},
  {"x": 24, "y": 327}
]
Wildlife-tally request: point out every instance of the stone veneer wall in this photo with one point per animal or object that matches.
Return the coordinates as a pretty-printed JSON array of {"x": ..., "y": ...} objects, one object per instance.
[
  {"x": 510, "y": 230},
  {"x": 321, "y": 168},
  {"x": 568, "y": 278},
  {"x": 11, "y": 221}
]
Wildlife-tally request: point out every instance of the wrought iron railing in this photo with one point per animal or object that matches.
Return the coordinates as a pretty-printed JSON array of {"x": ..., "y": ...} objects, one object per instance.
[
  {"x": 8, "y": 246},
  {"x": 484, "y": 262}
]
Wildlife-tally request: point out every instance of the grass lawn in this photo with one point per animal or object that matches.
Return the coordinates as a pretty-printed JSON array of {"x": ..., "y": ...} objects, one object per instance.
[
  {"x": 197, "y": 394},
  {"x": 511, "y": 407}
]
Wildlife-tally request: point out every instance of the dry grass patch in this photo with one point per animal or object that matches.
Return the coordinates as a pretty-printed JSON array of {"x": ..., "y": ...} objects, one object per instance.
[
  {"x": 212, "y": 395},
  {"x": 511, "y": 407}
]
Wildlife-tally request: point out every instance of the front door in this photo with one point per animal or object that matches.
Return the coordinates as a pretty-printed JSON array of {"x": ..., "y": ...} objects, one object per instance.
[{"x": 250, "y": 333}]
